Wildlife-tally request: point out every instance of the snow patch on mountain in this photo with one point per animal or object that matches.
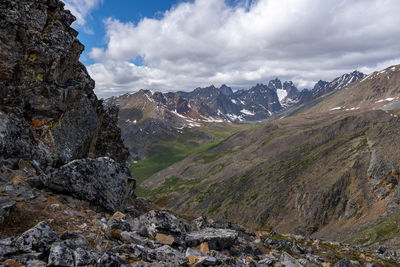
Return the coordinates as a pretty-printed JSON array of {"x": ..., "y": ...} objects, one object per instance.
[
  {"x": 282, "y": 93},
  {"x": 247, "y": 112}
]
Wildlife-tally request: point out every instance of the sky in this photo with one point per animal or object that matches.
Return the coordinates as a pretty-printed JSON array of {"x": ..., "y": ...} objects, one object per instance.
[{"x": 170, "y": 45}]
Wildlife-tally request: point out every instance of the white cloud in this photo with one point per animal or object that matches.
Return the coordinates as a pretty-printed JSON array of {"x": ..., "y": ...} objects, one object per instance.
[
  {"x": 209, "y": 42},
  {"x": 81, "y": 10}
]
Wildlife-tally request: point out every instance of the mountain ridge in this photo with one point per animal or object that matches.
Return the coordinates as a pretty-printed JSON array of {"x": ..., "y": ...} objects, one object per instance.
[{"x": 256, "y": 103}]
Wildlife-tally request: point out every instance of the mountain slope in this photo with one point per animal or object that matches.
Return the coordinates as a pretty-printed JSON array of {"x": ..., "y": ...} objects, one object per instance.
[
  {"x": 325, "y": 172},
  {"x": 377, "y": 90}
]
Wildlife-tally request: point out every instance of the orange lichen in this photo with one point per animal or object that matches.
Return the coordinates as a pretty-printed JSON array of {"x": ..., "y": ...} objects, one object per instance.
[{"x": 37, "y": 123}]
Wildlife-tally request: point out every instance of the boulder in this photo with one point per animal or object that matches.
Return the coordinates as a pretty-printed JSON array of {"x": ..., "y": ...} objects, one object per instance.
[
  {"x": 38, "y": 238},
  {"x": 72, "y": 252},
  {"x": 170, "y": 256},
  {"x": 102, "y": 181},
  {"x": 132, "y": 237},
  {"x": 289, "y": 261},
  {"x": 61, "y": 255},
  {"x": 216, "y": 238},
  {"x": 155, "y": 222},
  {"x": 199, "y": 223}
]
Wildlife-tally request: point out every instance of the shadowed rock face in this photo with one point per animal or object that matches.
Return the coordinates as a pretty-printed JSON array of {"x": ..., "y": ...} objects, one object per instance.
[{"x": 49, "y": 113}]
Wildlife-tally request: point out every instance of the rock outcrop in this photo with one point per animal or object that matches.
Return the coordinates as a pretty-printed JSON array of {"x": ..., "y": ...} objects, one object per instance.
[
  {"x": 41, "y": 246},
  {"x": 49, "y": 114}
]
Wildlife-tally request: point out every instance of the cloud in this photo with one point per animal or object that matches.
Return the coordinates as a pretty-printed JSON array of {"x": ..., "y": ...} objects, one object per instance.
[
  {"x": 211, "y": 42},
  {"x": 81, "y": 10}
]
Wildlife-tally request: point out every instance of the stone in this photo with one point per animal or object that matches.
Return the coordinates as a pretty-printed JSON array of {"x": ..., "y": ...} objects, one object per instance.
[
  {"x": 6, "y": 208},
  {"x": 192, "y": 259},
  {"x": 6, "y": 250},
  {"x": 108, "y": 260},
  {"x": 204, "y": 248},
  {"x": 61, "y": 255},
  {"x": 132, "y": 237},
  {"x": 84, "y": 257},
  {"x": 296, "y": 248},
  {"x": 38, "y": 238},
  {"x": 267, "y": 260},
  {"x": 289, "y": 261},
  {"x": 169, "y": 255},
  {"x": 133, "y": 212},
  {"x": 381, "y": 250},
  {"x": 227, "y": 261},
  {"x": 69, "y": 235},
  {"x": 162, "y": 222},
  {"x": 19, "y": 190},
  {"x": 102, "y": 181},
  {"x": 216, "y": 238},
  {"x": 199, "y": 223},
  {"x": 165, "y": 239},
  {"x": 206, "y": 261},
  {"x": 119, "y": 215}
]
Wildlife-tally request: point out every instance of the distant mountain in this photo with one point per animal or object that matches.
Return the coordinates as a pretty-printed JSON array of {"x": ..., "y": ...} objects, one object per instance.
[{"x": 223, "y": 104}]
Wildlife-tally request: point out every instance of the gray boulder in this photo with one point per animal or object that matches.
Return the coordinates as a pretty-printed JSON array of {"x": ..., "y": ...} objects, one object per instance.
[
  {"x": 199, "y": 223},
  {"x": 163, "y": 222},
  {"x": 61, "y": 255},
  {"x": 102, "y": 181},
  {"x": 216, "y": 238},
  {"x": 170, "y": 256},
  {"x": 38, "y": 238},
  {"x": 289, "y": 261}
]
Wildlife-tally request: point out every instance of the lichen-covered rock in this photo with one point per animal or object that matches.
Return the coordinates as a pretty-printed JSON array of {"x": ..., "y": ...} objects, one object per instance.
[
  {"x": 102, "y": 181},
  {"x": 216, "y": 238},
  {"x": 38, "y": 238},
  {"x": 289, "y": 261},
  {"x": 199, "y": 223},
  {"x": 160, "y": 222},
  {"x": 170, "y": 256},
  {"x": 49, "y": 113},
  {"x": 61, "y": 255}
]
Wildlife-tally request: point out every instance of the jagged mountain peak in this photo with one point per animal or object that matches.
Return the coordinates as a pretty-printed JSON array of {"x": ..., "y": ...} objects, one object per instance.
[
  {"x": 275, "y": 84},
  {"x": 226, "y": 90}
]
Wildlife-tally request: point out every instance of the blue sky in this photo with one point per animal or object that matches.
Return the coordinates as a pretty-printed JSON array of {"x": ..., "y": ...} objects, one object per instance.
[
  {"x": 170, "y": 45},
  {"x": 92, "y": 33}
]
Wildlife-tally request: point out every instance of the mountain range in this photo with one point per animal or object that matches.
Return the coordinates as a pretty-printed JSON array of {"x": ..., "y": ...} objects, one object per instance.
[
  {"x": 223, "y": 104},
  {"x": 146, "y": 116}
]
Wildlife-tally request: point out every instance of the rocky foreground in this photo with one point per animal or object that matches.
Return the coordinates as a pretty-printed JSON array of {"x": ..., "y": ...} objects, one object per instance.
[{"x": 44, "y": 229}]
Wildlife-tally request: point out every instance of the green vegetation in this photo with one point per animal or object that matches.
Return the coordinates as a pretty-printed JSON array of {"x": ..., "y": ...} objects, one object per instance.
[
  {"x": 170, "y": 186},
  {"x": 164, "y": 153},
  {"x": 382, "y": 230}
]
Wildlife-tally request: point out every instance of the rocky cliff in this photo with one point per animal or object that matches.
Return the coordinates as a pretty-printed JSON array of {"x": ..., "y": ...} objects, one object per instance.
[{"x": 49, "y": 114}]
